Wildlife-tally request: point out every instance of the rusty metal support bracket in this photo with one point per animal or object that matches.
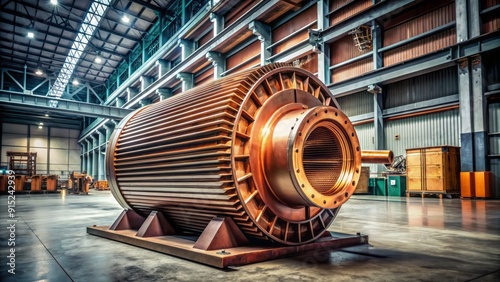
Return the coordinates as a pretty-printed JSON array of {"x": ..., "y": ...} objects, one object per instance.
[
  {"x": 315, "y": 39},
  {"x": 128, "y": 219},
  {"x": 155, "y": 225},
  {"x": 221, "y": 233}
]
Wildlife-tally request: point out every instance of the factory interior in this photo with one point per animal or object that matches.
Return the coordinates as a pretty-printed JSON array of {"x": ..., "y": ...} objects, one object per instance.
[{"x": 255, "y": 140}]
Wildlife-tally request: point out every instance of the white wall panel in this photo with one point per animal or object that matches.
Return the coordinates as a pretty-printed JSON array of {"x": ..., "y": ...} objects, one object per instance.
[
  {"x": 59, "y": 132},
  {"x": 38, "y": 142},
  {"x": 435, "y": 129},
  {"x": 41, "y": 168},
  {"x": 74, "y": 157},
  {"x": 15, "y": 128},
  {"x": 35, "y": 131},
  {"x": 41, "y": 155},
  {"x": 14, "y": 139},
  {"x": 59, "y": 143},
  {"x": 74, "y": 133},
  {"x": 73, "y": 144},
  {"x": 58, "y": 156},
  {"x": 366, "y": 133}
]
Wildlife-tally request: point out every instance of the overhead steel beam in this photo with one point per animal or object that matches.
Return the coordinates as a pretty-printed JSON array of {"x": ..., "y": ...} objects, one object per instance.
[
  {"x": 50, "y": 24},
  {"x": 77, "y": 21},
  {"x": 48, "y": 51},
  {"x": 36, "y": 63},
  {"x": 149, "y": 6},
  {"x": 70, "y": 38},
  {"x": 416, "y": 107},
  {"x": 376, "y": 11},
  {"x": 425, "y": 64},
  {"x": 393, "y": 73},
  {"x": 199, "y": 54},
  {"x": 29, "y": 102}
]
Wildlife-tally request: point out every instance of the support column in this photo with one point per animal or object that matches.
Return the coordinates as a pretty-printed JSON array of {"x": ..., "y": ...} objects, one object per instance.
[
  {"x": 187, "y": 80},
  {"x": 461, "y": 20},
  {"x": 83, "y": 164},
  {"x": 187, "y": 48},
  {"x": 163, "y": 67},
  {"x": 322, "y": 49},
  {"x": 145, "y": 82},
  {"x": 473, "y": 112},
  {"x": 164, "y": 93},
  {"x": 474, "y": 18},
  {"x": 100, "y": 155},
  {"x": 464, "y": 93},
  {"x": 95, "y": 158},
  {"x": 377, "y": 44},
  {"x": 89, "y": 157},
  {"x": 378, "y": 120},
  {"x": 263, "y": 32},
  {"x": 218, "y": 61},
  {"x": 218, "y": 23},
  {"x": 479, "y": 113}
]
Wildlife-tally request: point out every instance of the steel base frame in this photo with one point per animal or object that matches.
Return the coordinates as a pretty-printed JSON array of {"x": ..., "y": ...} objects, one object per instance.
[{"x": 184, "y": 247}]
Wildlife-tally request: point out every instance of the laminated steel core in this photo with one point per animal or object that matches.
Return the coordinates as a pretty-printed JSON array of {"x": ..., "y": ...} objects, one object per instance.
[{"x": 267, "y": 147}]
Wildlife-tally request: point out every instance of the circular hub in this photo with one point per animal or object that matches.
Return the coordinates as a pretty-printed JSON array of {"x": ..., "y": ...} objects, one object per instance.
[{"x": 309, "y": 158}]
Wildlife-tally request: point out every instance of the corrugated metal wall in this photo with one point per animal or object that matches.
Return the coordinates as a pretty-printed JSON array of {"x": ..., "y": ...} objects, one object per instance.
[
  {"x": 309, "y": 62},
  {"x": 415, "y": 26},
  {"x": 352, "y": 70},
  {"x": 494, "y": 127},
  {"x": 239, "y": 8},
  {"x": 491, "y": 21},
  {"x": 347, "y": 8},
  {"x": 356, "y": 104},
  {"x": 420, "y": 47},
  {"x": 420, "y": 24},
  {"x": 365, "y": 134},
  {"x": 296, "y": 23},
  {"x": 343, "y": 50},
  {"x": 421, "y": 88},
  {"x": 248, "y": 54},
  {"x": 442, "y": 128},
  {"x": 204, "y": 76}
]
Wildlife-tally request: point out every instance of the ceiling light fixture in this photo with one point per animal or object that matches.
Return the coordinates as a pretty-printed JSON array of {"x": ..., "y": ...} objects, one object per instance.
[
  {"x": 75, "y": 82},
  {"x": 31, "y": 34},
  {"x": 98, "y": 58},
  {"x": 38, "y": 72},
  {"x": 46, "y": 114},
  {"x": 40, "y": 127},
  {"x": 41, "y": 123},
  {"x": 53, "y": 2},
  {"x": 125, "y": 19}
]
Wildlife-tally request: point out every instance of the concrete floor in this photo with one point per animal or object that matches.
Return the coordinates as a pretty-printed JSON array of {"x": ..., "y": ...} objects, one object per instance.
[{"x": 411, "y": 239}]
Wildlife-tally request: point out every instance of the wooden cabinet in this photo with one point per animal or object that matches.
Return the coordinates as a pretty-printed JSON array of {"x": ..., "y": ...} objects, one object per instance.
[{"x": 433, "y": 169}]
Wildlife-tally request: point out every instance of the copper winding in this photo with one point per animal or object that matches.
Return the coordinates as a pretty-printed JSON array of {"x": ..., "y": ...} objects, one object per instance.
[
  {"x": 377, "y": 156},
  {"x": 267, "y": 147}
]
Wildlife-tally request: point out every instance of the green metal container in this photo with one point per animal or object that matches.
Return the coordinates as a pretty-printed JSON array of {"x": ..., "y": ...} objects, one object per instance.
[
  {"x": 380, "y": 188},
  {"x": 396, "y": 185}
]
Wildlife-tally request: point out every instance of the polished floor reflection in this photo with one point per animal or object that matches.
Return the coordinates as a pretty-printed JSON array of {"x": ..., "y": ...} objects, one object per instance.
[{"x": 411, "y": 239}]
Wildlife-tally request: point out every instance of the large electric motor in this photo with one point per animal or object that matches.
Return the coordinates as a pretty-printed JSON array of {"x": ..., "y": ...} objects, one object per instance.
[{"x": 267, "y": 147}]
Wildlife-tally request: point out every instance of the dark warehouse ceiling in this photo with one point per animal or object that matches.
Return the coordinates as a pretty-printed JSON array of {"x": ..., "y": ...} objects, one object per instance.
[{"x": 55, "y": 28}]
